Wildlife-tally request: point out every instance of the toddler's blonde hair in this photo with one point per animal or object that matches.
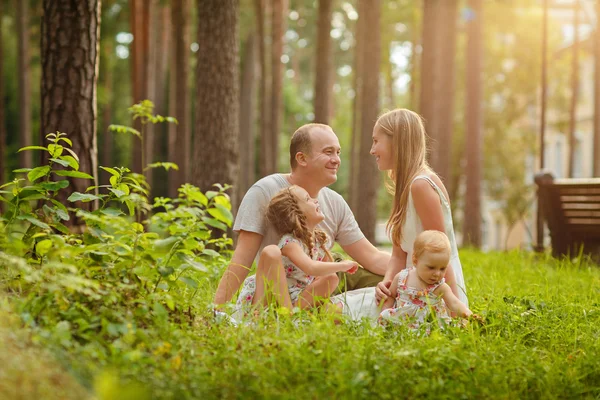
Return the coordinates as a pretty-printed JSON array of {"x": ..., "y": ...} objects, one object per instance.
[{"x": 432, "y": 242}]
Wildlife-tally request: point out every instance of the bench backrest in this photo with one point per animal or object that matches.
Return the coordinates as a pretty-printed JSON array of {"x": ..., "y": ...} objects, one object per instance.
[{"x": 571, "y": 208}]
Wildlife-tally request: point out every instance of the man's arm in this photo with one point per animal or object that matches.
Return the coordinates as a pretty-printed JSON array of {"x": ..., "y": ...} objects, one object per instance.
[
  {"x": 368, "y": 256},
  {"x": 247, "y": 246}
]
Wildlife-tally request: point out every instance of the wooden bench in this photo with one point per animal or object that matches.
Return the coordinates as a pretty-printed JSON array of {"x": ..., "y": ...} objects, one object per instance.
[{"x": 571, "y": 210}]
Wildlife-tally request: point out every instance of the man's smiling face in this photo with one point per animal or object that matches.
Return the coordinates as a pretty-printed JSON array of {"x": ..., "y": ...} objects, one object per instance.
[{"x": 324, "y": 159}]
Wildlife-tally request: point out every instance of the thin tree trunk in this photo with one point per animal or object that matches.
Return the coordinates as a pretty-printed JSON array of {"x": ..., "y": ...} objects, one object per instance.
[
  {"x": 247, "y": 115},
  {"x": 414, "y": 63},
  {"x": 429, "y": 61},
  {"x": 368, "y": 174},
  {"x": 446, "y": 44},
  {"x": 596, "y": 150},
  {"x": 356, "y": 108},
  {"x": 25, "y": 135},
  {"x": 261, "y": 10},
  {"x": 574, "y": 90},
  {"x": 70, "y": 33},
  {"x": 474, "y": 126},
  {"x": 323, "y": 62},
  {"x": 3, "y": 152},
  {"x": 107, "y": 151},
  {"x": 180, "y": 139},
  {"x": 151, "y": 35},
  {"x": 217, "y": 107},
  {"x": 278, "y": 12}
]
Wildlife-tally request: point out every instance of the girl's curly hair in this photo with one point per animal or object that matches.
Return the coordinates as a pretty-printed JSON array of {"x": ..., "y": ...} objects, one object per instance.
[{"x": 285, "y": 215}]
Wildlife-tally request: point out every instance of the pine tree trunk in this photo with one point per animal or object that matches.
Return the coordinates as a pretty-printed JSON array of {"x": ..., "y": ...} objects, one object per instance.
[
  {"x": 261, "y": 10},
  {"x": 596, "y": 150},
  {"x": 25, "y": 134},
  {"x": 574, "y": 90},
  {"x": 140, "y": 20},
  {"x": 217, "y": 106},
  {"x": 180, "y": 137},
  {"x": 107, "y": 148},
  {"x": 69, "y": 51},
  {"x": 356, "y": 108},
  {"x": 279, "y": 26},
  {"x": 429, "y": 62},
  {"x": 3, "y": 152},
  {"x": 323, "y": 64},
  {"x": 247, "y": 115},
  {"x": 474, "y": 127},
  {"x": 446, "y": 86},
  {"x": 368, "y": 174}
]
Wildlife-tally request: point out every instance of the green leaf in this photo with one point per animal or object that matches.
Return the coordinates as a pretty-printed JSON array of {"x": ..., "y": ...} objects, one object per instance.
[
  {"x": 124, "y": 129},
  {"x": 73, "y": 174},
  {"x": 165, "y": 165},
  {"x": 114, "y": 180},
  {"x": 59, "y": 205},
  {"x": 20, "y": 170},
  {"x": 33, "y": 220},
  {"x": 32, "y": 148},
  {"x": 54, "y": 186},
  {"x": 55, "y": 150},
  {"x": 113, "y": 212},
  {"x": 199, "y": 197},
  {"x": 72, "y": 153},
  {"x": 172, "y": 120},
  {"x": 72, "y": 162},
  {"x": 189, "y": 281},
  {"x": 210, "y": 253},
  {"x": 61, "y": 162},
  {"x": 43, "y": 247},
  {"x": 84, "y": 197},
  {"x": 38, "y": 172},
  {"x": 117, "y": 192},
  {"x": 214, "y": 223},
  {"x": 165, "y": 271},
  {"x": 221, "y": 213},
  {"x": 66, "y": 140},
  {"x": 61, "y": 228},
  {"x": 111, "y": 171},
  {"x": 166, "y": 244},
  {"x": 211, "y": 193},
  {"x": 130, "y": 206}
]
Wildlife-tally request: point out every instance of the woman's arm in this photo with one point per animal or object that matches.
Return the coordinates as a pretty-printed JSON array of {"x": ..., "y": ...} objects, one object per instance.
[
  {"x": 452, "y": 302},
  {"x": 294, "y": 252},
  {"x": 429, "y": 209},
  {"x": 396, "y": 264}
]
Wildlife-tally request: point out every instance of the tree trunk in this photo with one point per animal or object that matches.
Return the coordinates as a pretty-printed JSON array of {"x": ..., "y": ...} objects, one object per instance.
[
  {"x": 217, "y": 105},
  {"x": 70, "y": 34},
  {"x": 446, "y": 45},
  {"x": 25, "y": 136},
  {"x": 414, "y": 63},
  {"x": 139, "y": 11},
  {"x": 356, "y": 108},
  {"x": 107, "y": 150},
  {"x": 260, "y": 9},
  {"x": 474, "y": 127},
  {"x": 247, "y": 116},
  {"x": 277, "y": 34},
  {"x": 429, "y": 61},
  {"x": 574, "y": 90},
  {"x": 180, "y": 138},
  {"x": 3, "y": 152},
  {"x": 366, "y": 215},
  {"x": 596, "y": 151},
  {"x": 323, "y": 64}
]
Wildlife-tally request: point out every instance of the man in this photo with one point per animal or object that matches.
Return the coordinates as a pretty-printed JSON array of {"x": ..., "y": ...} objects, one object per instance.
[{"x": 314, "y": 161}]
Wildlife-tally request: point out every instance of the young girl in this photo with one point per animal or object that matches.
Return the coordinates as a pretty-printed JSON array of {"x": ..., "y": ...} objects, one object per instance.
[
  {"x": 309, "y": 268},
  {"x": 421, "y": 291},
  {"x": 420, "y": 198}
]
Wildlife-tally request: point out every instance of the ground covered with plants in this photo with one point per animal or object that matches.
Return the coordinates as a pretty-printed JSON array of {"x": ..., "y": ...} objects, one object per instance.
[{"x": 123, "y": 311}]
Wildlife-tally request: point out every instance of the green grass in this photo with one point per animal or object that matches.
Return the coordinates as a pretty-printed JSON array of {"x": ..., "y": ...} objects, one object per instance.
[{"x": 540, "y": 340}]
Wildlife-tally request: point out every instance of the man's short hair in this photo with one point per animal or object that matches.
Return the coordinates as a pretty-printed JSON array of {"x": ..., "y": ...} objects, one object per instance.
[{"x": 301, "y": 142}]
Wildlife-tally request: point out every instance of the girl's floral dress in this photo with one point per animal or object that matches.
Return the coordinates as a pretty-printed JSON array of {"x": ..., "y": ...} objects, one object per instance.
[
  {"x": 416, "y": 307},
  {"x": 297, "y": 280}
]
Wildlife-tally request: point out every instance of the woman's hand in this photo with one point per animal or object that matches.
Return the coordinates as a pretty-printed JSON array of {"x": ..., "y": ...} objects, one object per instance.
[{"x": 382, "y": 291}]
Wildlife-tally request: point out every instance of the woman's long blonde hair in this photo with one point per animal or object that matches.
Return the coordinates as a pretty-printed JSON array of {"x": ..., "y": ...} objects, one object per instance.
[
  {"x": 286, "y": 217},
  {"x": 409, "y": 152}
]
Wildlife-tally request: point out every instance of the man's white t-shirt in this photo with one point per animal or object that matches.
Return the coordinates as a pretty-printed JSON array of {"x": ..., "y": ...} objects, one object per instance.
[{"x": 339, "y": 224}]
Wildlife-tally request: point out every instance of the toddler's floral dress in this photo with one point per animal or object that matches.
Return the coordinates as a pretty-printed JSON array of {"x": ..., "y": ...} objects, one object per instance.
[
  {"x": 416, "y": 308},
  {"x": 297, "y": 280}
]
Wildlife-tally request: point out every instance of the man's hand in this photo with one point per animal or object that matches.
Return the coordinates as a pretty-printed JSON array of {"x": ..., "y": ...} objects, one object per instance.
[{"x": 382, "y": 291}]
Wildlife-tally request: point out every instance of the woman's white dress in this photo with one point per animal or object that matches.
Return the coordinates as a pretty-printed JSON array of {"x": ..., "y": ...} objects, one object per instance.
[{"x": 361, "y": 303}]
